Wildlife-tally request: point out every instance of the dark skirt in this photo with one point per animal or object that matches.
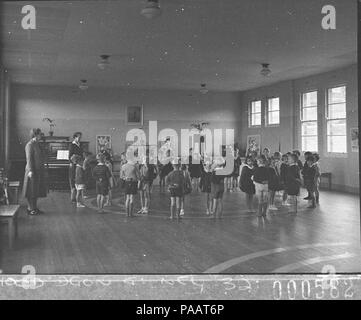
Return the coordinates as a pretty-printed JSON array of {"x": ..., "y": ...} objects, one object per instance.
[
  {"x": 195, "y": 170},
  {"x": 102, "y": 188},
  {"x": 292, "y": 188},
  {"x": 205, "y": 183},
  {"x": 131, "y": 187},
  {"x": 274, "y": 183},
  {"x": 246, "y": 183},
  {"x": 217, "y": 190}
]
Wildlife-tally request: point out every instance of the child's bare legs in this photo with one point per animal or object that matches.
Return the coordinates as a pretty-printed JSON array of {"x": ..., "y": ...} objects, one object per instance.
[
  {"x": 79, "y": 198},
  {"x": 100, "y": 202},
  {"x": 220, "y": 208},
  {"x": 249, "y": 202},
  {"x": 215, "y": 207},
  {"x": 317, "y": 193},
  {"x": 146, "y": 199},
  {"x": 178, "y": 205},
  {"x": 181, "y": 205},
  {"x": 209, "y": 203},
  {"x": 142, "y": 201},
  {"x": 73, "y": 195},
  {"x": 129, "y": 204},
  {"x": 110, "y": 197},
  {"x": 172, "y": 206}
]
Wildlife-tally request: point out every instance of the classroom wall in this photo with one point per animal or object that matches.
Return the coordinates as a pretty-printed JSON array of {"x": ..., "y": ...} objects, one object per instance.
[
  {"x": 103, "y": 111},
  {"x": 345, "y": 170}
]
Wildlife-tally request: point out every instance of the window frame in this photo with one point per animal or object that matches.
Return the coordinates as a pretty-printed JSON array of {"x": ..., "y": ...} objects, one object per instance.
[
  {"x": 250, "y": 114},
  {"x": 309, "y": 121},
  {"x": 267, "y": 124},
  {"x": 327, "y": 120}
]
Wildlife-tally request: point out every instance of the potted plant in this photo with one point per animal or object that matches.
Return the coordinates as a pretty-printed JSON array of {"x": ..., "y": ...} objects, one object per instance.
[{"x": 51, "y": 126}]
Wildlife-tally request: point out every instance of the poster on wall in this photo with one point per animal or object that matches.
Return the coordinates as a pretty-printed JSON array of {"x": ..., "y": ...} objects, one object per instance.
[
  {"x": 354, "y": 140},
  {"x": 103, "y": 142},
  {"x": 134, "y": 115},
  {"x": 253, "y": 144}
]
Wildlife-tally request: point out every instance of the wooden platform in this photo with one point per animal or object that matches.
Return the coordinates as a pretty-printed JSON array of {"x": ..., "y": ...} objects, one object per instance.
[{"x": 70, "y": 240}]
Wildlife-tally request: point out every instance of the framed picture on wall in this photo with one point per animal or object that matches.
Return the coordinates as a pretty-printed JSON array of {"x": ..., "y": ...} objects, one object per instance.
[
  {"x": 253, "y": 144},
  {"x": 103, "y": 142},
  {"x": 354, "y": 140},
  {"x": 134, "y": 115}
]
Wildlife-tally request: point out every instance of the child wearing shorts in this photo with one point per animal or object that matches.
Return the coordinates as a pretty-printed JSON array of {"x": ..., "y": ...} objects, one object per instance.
[
  {"x": 217, "y": 188},
  {"x": 79, "y": 181},
  {"x": 148, "y": 172},
  {"x": 175, "y": 181},
  {"x": 131, "y": 175},
  {"x": 102, "y": 177},
  {"x": 261, "y": 178}
]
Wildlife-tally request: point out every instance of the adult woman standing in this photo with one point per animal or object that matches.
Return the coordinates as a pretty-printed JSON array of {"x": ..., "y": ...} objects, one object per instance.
[
  {"x": 34, "y": 179},
  {"x": 74, "y": 148}
]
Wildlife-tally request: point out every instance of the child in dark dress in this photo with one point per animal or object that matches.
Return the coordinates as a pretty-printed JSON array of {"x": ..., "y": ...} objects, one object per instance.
[
  {"x": 275, "y": 179},
  {"x": 205, "y": 184},
  {"x": 318, "y": 176},
  {"x": 306, "y": 155},
  {"x": 293, "y": 178},
  {"x": 246, "y": 183},
  {"x": 283, "y": 169},
  {"x": 309, "y": 178}
]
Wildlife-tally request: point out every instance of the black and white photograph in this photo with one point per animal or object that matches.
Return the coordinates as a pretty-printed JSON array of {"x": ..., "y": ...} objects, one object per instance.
[{"x": 205, "y": 148}]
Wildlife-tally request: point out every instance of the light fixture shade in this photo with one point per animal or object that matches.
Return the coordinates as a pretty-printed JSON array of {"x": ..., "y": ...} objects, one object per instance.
[
  {"x": 151, "y": 9},
  {"x": 266, "y": 71},
  {"x": 203, "y": 89},
  {"x": 83, "y": 85},
  {"x": 104, "y": 62}
]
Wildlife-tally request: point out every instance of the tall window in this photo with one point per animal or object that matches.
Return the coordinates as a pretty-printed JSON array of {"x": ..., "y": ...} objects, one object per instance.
[
  {"x": 273, "y": 112},
  {"x": 309, "y": 137},
  {"x": 255, "y": 114},
  {"x": 336, "y": 120}
]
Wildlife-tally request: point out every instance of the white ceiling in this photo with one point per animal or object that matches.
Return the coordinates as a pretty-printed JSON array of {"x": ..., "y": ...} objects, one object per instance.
[{"x": 218, "y": 42}]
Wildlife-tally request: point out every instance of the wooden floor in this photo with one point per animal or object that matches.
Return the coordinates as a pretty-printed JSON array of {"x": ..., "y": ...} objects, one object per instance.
[{"x": 70, "y": 240}]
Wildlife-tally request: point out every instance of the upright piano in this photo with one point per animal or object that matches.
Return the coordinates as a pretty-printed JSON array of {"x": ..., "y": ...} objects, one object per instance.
[{"x": 56, "y": 164}]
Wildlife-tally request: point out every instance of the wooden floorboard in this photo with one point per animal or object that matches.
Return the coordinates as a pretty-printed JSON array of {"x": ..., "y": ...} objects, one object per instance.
[{"x": 69, "y": 240}]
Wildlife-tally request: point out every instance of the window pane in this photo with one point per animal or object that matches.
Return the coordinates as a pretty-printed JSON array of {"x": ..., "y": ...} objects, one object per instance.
[
  {"x": 309, "y": 99},
  {"x": 337, "y": 95},
  {"x": 256, "y": 119},
  {"x": 309, "y": 114},
  {"x": 336, "y": 127},
  {"x": 273, "y": 104},
  {"x": 309, "y": 129},
  {"x": 274, "y": 117},
  {"x": 256, "y": 106},
  {"x": 337, "y": 144},
  {"x": 309, "y": 144},
  {"x": 337, "y": 111}
]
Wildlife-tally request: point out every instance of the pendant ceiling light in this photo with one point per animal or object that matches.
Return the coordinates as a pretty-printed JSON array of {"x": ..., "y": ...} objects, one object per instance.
[
  {"x": 151, "y": 9},
  {"x": 203, "y": 89},
  {"x": 83, "y": 85},
  {"x": 104, "y": 61},
  {"x": 266, "y": 71}
]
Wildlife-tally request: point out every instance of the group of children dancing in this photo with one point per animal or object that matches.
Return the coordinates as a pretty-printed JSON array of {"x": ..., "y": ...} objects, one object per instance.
[{"x": 261, "y": 176}]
